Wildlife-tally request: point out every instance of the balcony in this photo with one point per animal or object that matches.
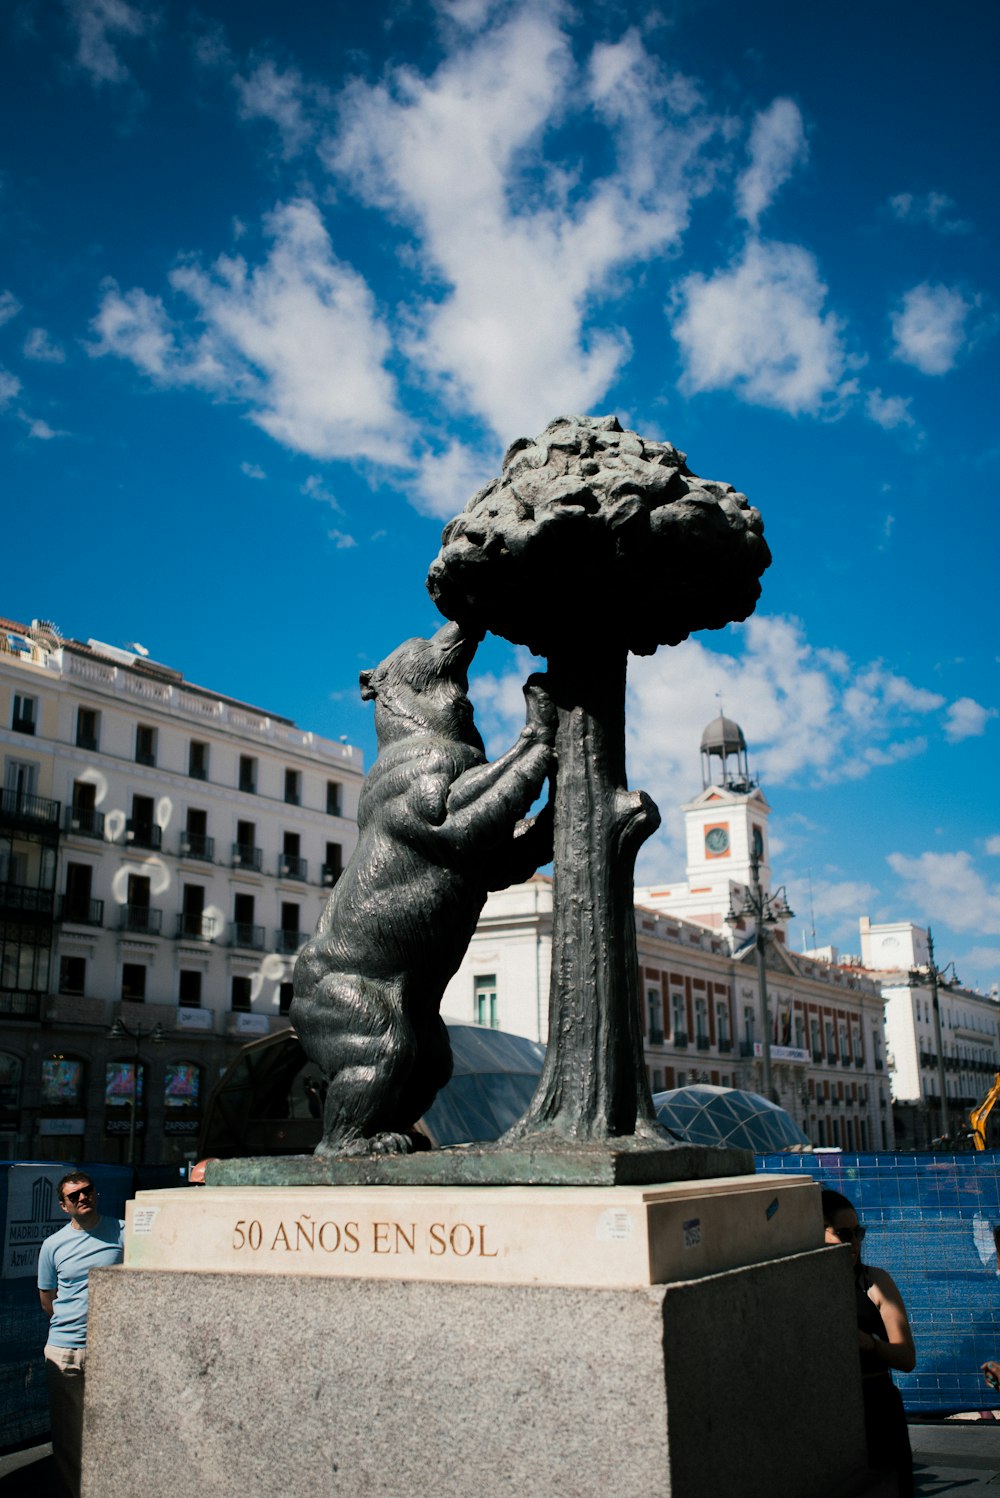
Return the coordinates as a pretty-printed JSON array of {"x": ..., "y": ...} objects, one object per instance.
[
  {"x": 725, "y": 1045},
  {"x": 655, "y": 1035},
  {"x": 85, "y": 821},
  {"x": 290, "y": 866},
  {"x": 250, "y": 937},
  {"x": 86, "y": 741},
  {"x": 25, "y": 900},
  {"x": 330, "y": 873},
  {"x": 144, "y": 834},
  {"x": 22, "y": 724},
  {"x": 246, "y": 857},
  {"x": 288, "y": 942},
  {"x": 81, "y": 912},
  {"x": 142, "y": 918},
  {"x": 817, "y": 1057},
  {"x": 15, "y": 1003},
  {"x": 859, "y": 1061},
  {"x": 197, "y": 845},
  {"x": 879, "y": 1063},
  {"x": 193, "y": 926},
  {"x": 746, "y": 1048},
  {"x": 20, "y": 810},
  {"x": 680, "y": 1040},
  {"x": 703, "y": 1043},
  {"x": 145, "y": 757}
]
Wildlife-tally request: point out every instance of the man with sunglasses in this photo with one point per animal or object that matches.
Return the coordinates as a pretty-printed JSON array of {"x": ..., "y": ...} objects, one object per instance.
[{"x": 88, "y": 1241}]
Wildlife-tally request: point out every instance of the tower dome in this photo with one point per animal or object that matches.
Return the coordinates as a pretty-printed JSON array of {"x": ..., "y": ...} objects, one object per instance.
[{"x": 723, "y": 740}]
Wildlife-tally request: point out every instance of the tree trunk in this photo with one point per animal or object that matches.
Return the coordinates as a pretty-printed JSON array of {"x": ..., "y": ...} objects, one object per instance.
[{"x": 593, "y": 1084}]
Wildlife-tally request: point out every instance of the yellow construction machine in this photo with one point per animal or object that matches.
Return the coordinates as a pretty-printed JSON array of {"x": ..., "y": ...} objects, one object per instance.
[{"x": 978, "y": 1116}]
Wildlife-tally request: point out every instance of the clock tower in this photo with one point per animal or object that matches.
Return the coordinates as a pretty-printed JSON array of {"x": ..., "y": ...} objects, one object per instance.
[{"x": 726, "y": 825}]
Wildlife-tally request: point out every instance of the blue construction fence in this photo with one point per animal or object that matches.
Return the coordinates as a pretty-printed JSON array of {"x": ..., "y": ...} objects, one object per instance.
[
  {"x": 931, "y": 1221},
  {"x": 29, "y": 1211}
]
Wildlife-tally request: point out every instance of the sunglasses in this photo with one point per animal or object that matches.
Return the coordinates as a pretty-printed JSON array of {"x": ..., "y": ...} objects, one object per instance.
[
  {"x": 849, "y": 1235},
  {"x": 75, "y": 1196}
]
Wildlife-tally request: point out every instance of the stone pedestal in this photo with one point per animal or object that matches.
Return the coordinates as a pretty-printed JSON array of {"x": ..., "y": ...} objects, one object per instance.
[{"x": 688, "y": 1340}]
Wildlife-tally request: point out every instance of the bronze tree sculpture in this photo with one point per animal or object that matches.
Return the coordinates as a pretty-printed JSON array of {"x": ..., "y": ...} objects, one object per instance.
[{"x": 593, "y": 543}]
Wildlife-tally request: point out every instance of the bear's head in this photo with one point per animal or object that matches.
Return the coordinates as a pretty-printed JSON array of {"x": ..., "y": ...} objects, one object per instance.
[{"x": 422, "y": 687}]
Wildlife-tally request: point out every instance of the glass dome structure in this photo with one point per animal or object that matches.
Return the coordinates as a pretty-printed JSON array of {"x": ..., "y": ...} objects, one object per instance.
[
  {"x": 268, "y": 1102},
  {"x": 702, "y": 1114}
]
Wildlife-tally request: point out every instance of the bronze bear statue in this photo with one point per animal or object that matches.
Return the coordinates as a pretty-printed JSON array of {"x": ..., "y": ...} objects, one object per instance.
[{"x": 438, "y": 828}]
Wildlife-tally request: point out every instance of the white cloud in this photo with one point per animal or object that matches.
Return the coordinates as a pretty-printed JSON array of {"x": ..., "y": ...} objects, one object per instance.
[
  {"x": 39, "y": 345},
  {"x": 758, "y": 328},
  {"x": 9, "y": 306},
  {"x": 810, "y": 715},
  {"x": 341, "y": 540},
  {"x": 522, "y": 254},
  {"x": 100, "y": 25},
  {"x": 252, "y": 471},
  {"x": 777, "y": 146},
  {"x": 297, "y": 338},
  {"x": 10, "y": 385},
  {"x": 316, "y": 489},
  {"x": 948, "y": 888},
  {"x": 888, "y": 411},
  {"x": 929, "y": 327},
  {"x": 935, "y": 209},
  {"x": 447, "y": 480},
  {"x": 993, "y": 846},
  {"x": 967, "y": 719},
  {"x": 284, "y": 98}
]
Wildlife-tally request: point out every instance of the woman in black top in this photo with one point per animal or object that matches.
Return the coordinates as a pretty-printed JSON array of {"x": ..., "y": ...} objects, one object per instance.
[{"x": 884, "y": 1342}]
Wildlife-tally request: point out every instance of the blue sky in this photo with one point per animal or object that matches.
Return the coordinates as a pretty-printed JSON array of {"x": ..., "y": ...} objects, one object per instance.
[{"x": 278, "y": 284}]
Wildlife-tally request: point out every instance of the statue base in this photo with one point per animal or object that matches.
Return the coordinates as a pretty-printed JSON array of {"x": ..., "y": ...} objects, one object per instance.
[
  {"x": 403, "y": 1341},
  {"x": 628, "y": 1161}
]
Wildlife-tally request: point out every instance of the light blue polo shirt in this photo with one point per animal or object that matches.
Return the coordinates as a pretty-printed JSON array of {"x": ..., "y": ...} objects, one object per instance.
[{"x": 64, "y": 1264}]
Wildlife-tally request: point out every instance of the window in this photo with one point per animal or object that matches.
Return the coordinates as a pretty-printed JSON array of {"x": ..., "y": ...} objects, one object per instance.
[
  {"x": 679, "y": 1019},
  {"x": 199, "y": 844},
  {"x": 86, "y": 728},
  {"x": 749, "y": 1024},
  {"x": 246, "y": 854},
  {"x": 189, "y": 989},
  {"x": 248, "y": 774},
  {"x": 19, "y": 781},
  {"x": 141, "y": 829},
  {"x": 134, "y": 982},
  {"x": 701, "y": 1023},
  {"x": 181, "y": 1084},
  {"x": 333, "y": 798},
  {"x": 291, "y": 865},
  {"x": 192, "y": 918},
  {"x": 758, "y": 842},
  {"x": 198, "y": 760},
  {"x": 62, "y": 1082},
  {"x": 722, "y": 1024},
  {"x": 10, "y": 1080},
  {"x": 245, "y": 933},
  {"x": 655, "y": 1006},
  {"x": 72, "y": 974},
  {"x": 25, "y": 714},
  {"x": 76, "y": 901},
  {"x": 241, "y": 994},
  {"x": 334, "y": 863},
  {"x": 145, "y": 744},
  {"x": 484, "y": 1000},
  {"x": 831, "y": 1051},
  {"x": 293, "y": 787},
  {"x": 285, "y": 991},
  {"x": 84, "y": 816},
  {"x": 800, "y": 1032},
  {"x": 657, "y": 1080}
]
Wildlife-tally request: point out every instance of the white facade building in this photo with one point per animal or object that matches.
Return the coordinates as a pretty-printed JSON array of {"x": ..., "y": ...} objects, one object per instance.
[
  {"x": 897, "y": 954},
  {"x": 698, "y": 978},
  {"x": 164, "y": 853}
]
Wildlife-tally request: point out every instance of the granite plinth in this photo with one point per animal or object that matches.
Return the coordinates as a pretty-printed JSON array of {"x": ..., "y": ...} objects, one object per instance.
[
  {"x": 249, "y": 1386},
  {"x": 621, "y": 1162},
  {"x": 565, "y": 1235}
]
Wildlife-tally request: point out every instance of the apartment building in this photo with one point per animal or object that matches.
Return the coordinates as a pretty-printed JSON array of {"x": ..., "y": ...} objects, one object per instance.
[
  {"x": 897, "y": 955},
  {"x": 165, "y": 851}
]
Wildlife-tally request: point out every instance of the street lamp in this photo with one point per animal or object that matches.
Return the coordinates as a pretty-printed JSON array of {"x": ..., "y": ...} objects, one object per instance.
[
  {"x": 766, "y": 910},
  {"x": 120, "y": 1031},
  {"x": 934, "y": 975}
]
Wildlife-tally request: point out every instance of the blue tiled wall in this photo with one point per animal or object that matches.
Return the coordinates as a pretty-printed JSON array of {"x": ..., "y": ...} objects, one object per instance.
[{"x": 930, "y": 1221}]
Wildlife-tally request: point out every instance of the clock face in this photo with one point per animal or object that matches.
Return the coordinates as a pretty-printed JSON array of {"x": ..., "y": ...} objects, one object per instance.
[{"x": 717, "y": 841}]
